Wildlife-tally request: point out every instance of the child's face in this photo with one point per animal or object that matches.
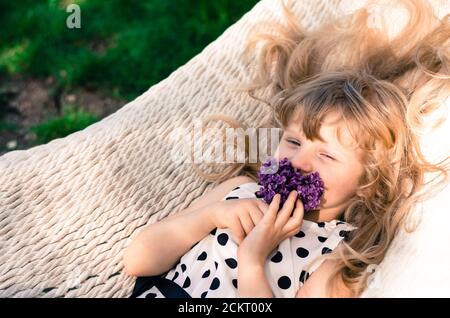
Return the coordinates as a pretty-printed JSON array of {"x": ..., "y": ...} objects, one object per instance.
[{"x": 339, "y": 165}]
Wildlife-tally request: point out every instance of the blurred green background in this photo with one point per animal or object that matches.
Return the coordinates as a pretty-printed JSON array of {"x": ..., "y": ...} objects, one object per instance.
[{"x": 55, "y": 80}]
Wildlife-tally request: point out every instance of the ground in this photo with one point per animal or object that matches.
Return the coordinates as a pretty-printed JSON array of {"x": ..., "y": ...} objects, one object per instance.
[{"x": 25, "y": 102}]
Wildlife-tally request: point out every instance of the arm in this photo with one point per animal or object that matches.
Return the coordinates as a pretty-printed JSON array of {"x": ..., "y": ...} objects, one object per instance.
[
  {"x": 252, "y": 280},
  {"x": 158, "y": 247},
  {"x": 147, "y": 256},
  {"x": 316, "y": 284},
  {"x": 276, "y": 226}
]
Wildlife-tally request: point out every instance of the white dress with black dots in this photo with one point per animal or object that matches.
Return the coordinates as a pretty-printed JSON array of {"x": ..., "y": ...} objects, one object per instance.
[{"x": 209, "y": 269}]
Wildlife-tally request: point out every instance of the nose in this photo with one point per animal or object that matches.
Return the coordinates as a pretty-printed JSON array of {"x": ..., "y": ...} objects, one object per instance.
[{"x": 303, "y": 160}]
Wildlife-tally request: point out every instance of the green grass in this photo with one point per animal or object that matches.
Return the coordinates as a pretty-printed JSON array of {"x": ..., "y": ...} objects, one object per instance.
[
  {"x": 5, "y": 126},
  {"x": 71, "y": 121},
  {"x": 122, "y": 48}
]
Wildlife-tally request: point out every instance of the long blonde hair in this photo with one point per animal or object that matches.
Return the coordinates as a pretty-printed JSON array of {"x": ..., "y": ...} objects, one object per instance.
[{"x": 384, "y": 88}]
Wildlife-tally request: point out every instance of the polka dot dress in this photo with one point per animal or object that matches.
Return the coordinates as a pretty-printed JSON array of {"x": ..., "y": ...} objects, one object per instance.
[{"x": 209, "y": 269}]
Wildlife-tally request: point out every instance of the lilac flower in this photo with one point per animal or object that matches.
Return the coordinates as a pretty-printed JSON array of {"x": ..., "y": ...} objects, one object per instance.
[{"x": 286, "y": 179}]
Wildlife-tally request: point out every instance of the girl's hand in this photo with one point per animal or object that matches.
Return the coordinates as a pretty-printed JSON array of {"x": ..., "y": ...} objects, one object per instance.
[
  {"x": 275, "y": 227},
  {"x": 239, "y": 215}
]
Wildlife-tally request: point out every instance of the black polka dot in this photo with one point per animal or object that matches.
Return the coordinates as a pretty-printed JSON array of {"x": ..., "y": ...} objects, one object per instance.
[
  {"x": 343, "y": 233},
  {"x": 284, "y": 282},
  {"x": 231, "y": 262},
  {"x": 278, "y": 257},
  {"x": 231, "y": 198},
  {"x": 215, "y": 284},
  {"x": 300, "y": 234},
  {"x": 150, "y": 295},
  {"x": 202, "y": 256},
  {"x": 321, "y": 224},
  {"x": 213, "y": 232},
  {"x": 206, "y": 274},
  {"x": 302, "y": 252},
  {"x": 326, "y": 250},
  {"x": 216, "y": 264},
  {"x": 183, "y": 268},
  {"x": 258, "y": 195},
  {"x": 203, "y": 295},
  {"x": 175, "y": 276},
  {"x": 234, "y": 281},
  {"x": 236, "y": 188},
  {"x": 187, "y": 282},
  {"x": 222, "y": 239},
  {"x": 321, "y": 239},
  {"x": 304, "y": 275}
]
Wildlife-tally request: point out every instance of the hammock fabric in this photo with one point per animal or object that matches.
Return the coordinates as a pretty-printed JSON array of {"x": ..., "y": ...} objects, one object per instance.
[{"x": 69, "y": 208}]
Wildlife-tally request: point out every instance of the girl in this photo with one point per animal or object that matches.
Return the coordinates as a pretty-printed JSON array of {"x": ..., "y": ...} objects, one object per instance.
[{"x": 351, "y": 103}]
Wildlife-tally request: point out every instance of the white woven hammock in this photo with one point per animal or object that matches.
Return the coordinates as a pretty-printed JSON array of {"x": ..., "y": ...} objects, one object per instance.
[{"x": 70, "y": 207}]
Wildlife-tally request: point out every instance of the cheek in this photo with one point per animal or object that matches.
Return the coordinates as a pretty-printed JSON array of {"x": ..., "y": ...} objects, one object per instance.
[
  {"x": 283, "y": 151},
  {"x": 339, "y": 185},
  {"x": 333, "y": 189},
  {"x": 329, "y": 182}
]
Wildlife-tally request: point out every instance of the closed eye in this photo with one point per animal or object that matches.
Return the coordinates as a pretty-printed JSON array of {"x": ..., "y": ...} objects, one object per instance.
[
  {"x": 329, "y": 157},
  {"x": 293, "y": 142}
]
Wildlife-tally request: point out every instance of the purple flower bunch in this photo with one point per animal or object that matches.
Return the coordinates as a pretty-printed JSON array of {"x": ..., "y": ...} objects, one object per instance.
[{"x": 286, "y": 179}]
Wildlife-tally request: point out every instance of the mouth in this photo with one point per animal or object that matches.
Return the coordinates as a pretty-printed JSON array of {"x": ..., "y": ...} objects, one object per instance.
[{"x": 285, "y": 179}]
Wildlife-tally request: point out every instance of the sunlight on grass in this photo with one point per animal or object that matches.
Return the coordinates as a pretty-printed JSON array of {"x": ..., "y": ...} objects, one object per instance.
[
  {"x": 15, "y": 59},
  {"x": 122, "y": 47}
]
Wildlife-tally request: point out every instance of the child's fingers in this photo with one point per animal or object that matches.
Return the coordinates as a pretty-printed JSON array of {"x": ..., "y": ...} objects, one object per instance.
[
  {"x": 285, "y": 212},
  {"x": 238, "y": 231},
  {"x": 263, "y": 206},
  {"x": 247, "y": 223},
  {"x": 291, "y": 233},
  {"x": 297, "y": 215},
  {"x": 256, "y": 214},
  {"x": 271, "y": 213}
]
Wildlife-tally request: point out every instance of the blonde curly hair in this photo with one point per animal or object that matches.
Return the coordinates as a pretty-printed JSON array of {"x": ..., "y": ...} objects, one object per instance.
[{"x": 384, "y": 88}]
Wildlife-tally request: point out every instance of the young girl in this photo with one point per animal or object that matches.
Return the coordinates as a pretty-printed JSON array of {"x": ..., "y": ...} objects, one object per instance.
[{"x": 350, "y": 102}]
